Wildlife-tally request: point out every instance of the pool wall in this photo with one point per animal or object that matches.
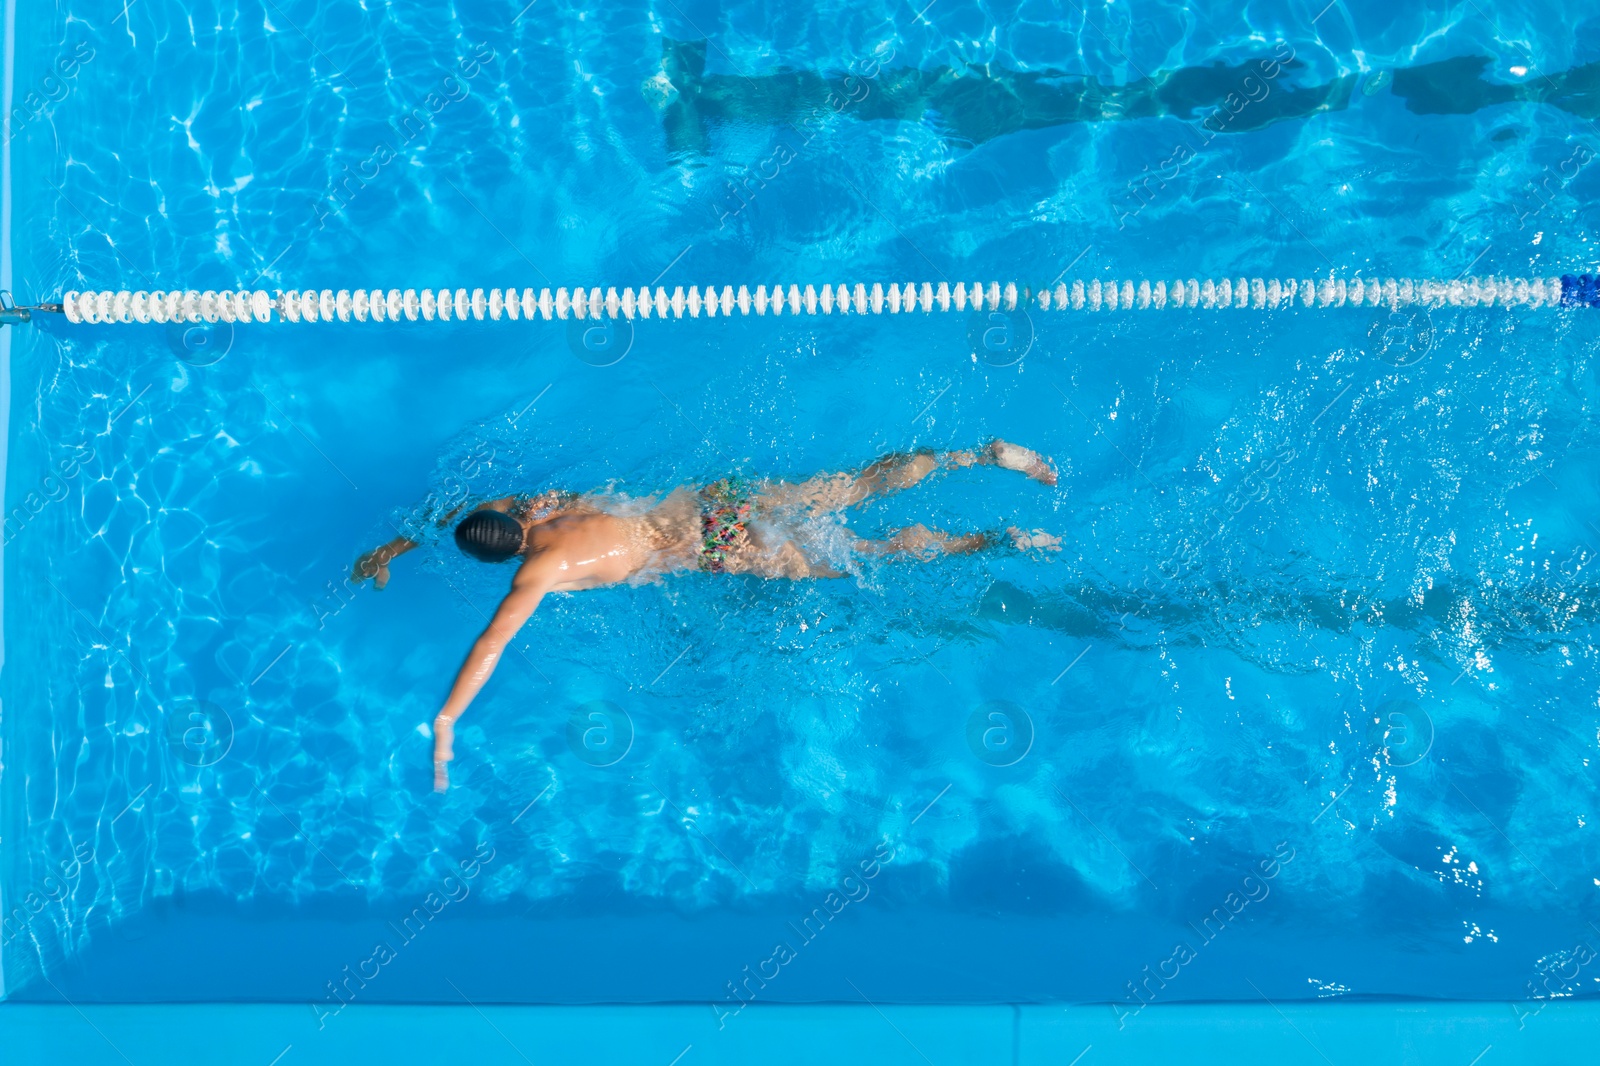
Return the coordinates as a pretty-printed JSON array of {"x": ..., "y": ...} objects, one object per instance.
[
  {"x": 1312, "y": 1034},
  {"x": 43, "y": 916},
  {"x": 5, "y": 394}
]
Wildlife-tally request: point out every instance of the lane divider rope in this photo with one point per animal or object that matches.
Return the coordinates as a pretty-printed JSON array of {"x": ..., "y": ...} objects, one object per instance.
[{"x": 445, "y": 305}]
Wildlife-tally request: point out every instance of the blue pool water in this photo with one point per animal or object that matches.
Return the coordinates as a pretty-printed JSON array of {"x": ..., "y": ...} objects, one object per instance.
[{"x": 1304, "y": 708}]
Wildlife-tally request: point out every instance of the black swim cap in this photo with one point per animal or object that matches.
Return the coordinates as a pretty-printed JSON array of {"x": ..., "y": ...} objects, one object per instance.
[{"x": 489, "y": 536}]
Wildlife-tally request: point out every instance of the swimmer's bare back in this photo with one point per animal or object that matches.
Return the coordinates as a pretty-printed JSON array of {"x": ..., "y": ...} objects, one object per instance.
[{"x": 568, "y": 544}]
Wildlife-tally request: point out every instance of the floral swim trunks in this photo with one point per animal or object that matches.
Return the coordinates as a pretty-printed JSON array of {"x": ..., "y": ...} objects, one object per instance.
[{"x": 724, "y": 513}]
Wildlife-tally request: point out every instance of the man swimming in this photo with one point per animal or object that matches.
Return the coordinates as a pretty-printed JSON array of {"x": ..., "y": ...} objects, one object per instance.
[{"x": 570, "y": 542}]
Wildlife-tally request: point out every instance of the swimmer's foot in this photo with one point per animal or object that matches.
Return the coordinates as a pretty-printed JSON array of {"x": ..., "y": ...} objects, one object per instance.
[
  {"x": 1023, "y": 460},
  {"x": 1037, "y": 538}
]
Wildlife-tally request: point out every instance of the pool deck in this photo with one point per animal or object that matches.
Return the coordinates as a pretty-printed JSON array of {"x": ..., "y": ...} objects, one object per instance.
[{"x": 1315, "y": 1034}]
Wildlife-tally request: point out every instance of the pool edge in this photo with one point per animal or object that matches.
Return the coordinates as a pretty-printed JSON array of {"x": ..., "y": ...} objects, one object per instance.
[
  {"x": 1313, "y": 1034},
  {"x": 6, "y": 94}
]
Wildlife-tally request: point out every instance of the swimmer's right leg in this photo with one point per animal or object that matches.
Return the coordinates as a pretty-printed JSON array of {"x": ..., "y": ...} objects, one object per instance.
[
  {"x": 826, "y": 493},
  {"x": 835, "y": 492},
  {"x": 1008, "y": 456}
]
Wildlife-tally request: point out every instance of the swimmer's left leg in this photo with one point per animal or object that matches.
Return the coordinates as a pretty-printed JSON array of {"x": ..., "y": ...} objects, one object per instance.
[
  {"x": 924, "y": 543},
  {"x": 1022, "y": 539}
]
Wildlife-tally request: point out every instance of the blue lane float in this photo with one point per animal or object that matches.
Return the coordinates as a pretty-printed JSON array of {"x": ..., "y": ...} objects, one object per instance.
[{"x": 1580, "y": 291}]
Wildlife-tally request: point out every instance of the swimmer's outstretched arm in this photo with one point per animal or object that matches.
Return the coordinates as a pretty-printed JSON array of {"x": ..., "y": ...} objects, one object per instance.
[
  {"x": 533, "y": 580},
  {"x": 375, "y": 563}
]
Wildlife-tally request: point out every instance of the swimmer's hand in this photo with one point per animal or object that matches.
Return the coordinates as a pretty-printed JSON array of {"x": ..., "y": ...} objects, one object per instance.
[
  {"x": 444, "y": 731},
  {"x": 375, "y": 563}
]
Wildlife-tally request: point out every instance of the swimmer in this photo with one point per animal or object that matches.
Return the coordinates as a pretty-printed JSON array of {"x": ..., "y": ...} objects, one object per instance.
[{"x": 732, "y": 526}]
